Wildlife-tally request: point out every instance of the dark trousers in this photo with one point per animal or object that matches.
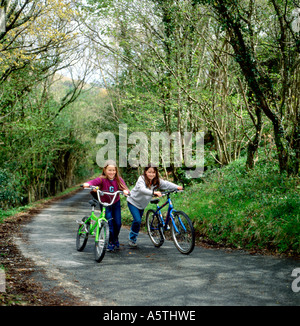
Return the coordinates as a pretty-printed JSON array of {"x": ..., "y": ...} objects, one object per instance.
[
  {"x": 113, "y": 215},
  {"x": 137, "y": 215}
]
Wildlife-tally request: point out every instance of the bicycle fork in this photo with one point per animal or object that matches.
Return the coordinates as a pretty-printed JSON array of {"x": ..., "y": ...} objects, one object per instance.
[
  {"x": 181, "y": 225},
  {"x": 98, "y": 231},
  {"x": 83, "y": 228},
  {"x": 165, "y": 225}
]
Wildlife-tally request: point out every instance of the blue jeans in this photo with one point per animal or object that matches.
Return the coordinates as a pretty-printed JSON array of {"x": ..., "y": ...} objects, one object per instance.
[
  {"x": 137, "y": 215},
  {"x": 113, "y": 215}
]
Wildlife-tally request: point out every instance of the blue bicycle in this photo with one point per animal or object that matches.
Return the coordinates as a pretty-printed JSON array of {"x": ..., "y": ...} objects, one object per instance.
[{"x": 182, "y": 229}]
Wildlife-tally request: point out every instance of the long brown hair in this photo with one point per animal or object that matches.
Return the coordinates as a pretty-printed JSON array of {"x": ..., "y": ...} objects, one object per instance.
[
  {"x": 121, "y": 185},
  {"x": 155, "y": 181}
]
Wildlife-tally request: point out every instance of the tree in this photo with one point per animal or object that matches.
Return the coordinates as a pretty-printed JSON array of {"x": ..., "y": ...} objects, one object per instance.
[
  {"x": 228, "y": 66},
  {"x": 267, "y": 51},
  {"x": 164, "y": 50},
  {"x": 40, "y": 148}
]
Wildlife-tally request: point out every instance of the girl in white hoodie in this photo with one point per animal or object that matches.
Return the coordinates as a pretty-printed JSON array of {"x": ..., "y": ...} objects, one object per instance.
[{"x": 146, "y": 187}]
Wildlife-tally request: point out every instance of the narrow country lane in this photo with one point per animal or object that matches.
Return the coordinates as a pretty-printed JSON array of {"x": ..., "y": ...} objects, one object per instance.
[{"x": 148, "y": 276}]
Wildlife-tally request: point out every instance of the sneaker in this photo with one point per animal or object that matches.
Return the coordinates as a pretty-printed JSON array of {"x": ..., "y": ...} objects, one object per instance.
[
  {"x": 132, "y": 244},
  {"x": 110, "y": 247}
]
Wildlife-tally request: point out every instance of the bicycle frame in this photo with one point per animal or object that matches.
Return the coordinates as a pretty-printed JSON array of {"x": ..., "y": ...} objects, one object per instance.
[
  {"x": 94, "y": 217},
  {"x": 182, "y": 230},
  {"x": 97, "y": 220},
  {"x": 168, "y": 216},
  {"x": 95, "y": 225}
]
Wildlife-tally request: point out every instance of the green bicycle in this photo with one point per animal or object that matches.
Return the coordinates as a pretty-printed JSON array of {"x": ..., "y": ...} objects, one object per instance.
[{"x": 96, "y": 226}]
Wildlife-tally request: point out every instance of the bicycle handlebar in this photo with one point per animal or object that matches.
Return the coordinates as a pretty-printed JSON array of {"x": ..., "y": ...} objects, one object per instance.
[
  {"x": 101, "y": 193},
  {"x": 165, "y": 193}
]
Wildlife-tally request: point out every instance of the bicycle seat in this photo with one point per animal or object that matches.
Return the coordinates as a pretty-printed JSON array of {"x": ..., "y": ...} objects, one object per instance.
[
  {"x": 154, "y": 201},
  {"x": 93, "y": 202}
]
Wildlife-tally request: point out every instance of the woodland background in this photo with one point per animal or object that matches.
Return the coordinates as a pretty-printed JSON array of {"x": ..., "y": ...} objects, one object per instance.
[{"x": 72, "y": 69}]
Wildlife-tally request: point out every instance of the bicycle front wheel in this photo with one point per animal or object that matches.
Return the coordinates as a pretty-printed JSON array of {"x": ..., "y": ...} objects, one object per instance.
[
  {"x": 101, "y": 241},
  {"x": 82, "y": 234},
  {"x": 184, "y": 234},
  {"x": 154, "y": 228}
]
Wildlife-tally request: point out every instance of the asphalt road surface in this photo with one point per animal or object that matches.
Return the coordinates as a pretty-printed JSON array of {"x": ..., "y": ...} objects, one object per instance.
[{"x": 149, "y": 276}]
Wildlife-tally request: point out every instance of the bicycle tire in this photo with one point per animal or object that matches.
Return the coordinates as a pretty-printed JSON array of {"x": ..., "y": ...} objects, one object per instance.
[
  {"x": 82, "y": 237},
  {"x": 154, "y": 228},
  {"x": 101, "y": 244},
  {"x": 184, "y": 240}
]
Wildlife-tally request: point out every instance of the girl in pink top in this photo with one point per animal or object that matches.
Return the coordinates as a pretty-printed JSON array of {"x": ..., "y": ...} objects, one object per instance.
[{"x": 110, "y": 181}]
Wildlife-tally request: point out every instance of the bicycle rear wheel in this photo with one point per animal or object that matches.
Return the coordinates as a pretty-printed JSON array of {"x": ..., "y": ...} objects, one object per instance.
[
  {"x": 154, "y": 228},
  {"x": 101, "y": 244},
  {"x": 184, "y": 236},
  {"x": 82, "y": 234}
]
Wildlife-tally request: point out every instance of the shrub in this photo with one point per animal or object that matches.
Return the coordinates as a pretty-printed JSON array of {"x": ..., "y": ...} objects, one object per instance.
[
  {"x": 9, "y": 195},
  {"x": 246, "y": 209}
]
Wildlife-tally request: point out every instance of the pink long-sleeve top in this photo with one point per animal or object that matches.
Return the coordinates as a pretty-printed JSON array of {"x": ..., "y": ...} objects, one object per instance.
[{"x": 107, "y": 185}]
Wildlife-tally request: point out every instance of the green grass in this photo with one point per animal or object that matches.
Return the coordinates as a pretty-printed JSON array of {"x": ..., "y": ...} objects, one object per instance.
[{"x": 257, "y": 209}]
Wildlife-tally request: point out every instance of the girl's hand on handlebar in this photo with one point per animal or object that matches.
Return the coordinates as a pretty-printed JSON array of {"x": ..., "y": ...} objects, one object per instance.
[
  {"x": 157, "y": 193},
  {"x": 126, "y": 192},
  {"x": 86, "y": 185},
  {"x": 180, "y": 188}
]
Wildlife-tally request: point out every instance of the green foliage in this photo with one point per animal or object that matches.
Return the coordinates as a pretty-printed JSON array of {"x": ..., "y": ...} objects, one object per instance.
[
  {"x": 253, "y": 209},
  {"x": 43, "y": 154},
  {"x": 171, "y": 68},
  {"x": 9, "y": 190}
]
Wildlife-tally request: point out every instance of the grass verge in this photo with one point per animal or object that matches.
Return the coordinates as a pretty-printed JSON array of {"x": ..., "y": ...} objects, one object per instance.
[{"x": 257, "y": 209}]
